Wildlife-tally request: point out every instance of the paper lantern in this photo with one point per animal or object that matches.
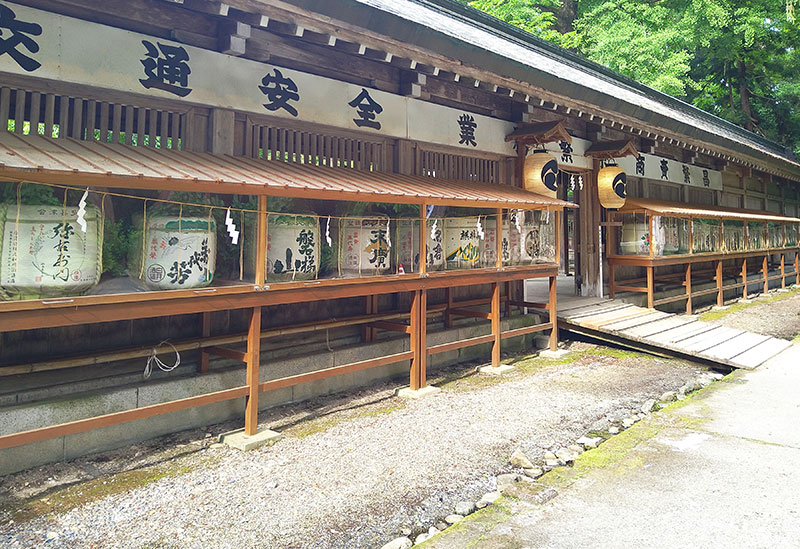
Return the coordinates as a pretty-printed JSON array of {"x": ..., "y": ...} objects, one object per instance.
[
  {"x": 612, "y": 187},
  {"x": 540, "y": 174}
]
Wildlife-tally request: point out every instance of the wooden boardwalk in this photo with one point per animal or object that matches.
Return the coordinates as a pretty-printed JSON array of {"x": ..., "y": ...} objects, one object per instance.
[{"x": 672, "y": 334}]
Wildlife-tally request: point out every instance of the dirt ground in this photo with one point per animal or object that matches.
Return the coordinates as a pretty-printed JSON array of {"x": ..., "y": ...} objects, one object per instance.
[{"x": 353, "y": 470}]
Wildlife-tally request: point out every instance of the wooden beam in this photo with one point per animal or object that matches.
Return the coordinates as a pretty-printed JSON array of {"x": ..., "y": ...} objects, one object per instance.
[
  {"x": 415, "y": 341},
  {"x": 471, "y": 314},
  {"x": 83, "y": 425},
  {"x": 390, "y": 326},
  {"x": 227, "y": 353},
  {"x": 552, "y": 302}
]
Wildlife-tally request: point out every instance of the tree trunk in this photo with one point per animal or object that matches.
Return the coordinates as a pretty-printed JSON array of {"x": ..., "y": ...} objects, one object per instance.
[
  {"x": 566, "y": 15},
  {"x": 744, "y": 96}
]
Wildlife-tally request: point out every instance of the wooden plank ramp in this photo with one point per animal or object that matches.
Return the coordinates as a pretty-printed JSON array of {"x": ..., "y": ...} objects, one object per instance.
[{"x": 665, "y": 333}]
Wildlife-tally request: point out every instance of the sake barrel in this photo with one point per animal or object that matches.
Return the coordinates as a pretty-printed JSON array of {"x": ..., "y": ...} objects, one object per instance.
[
  {"x": 489, "y": 242},
  {"x": 178, "y": 253},
  {"x": 408, "y": 244},
  {"x": 293, "y": 247},
  {"x": 515, "y": 228},
  {"x": 462, "y": 243},
  {"x": 44, "y": 252},
  {"x": 365, "y": 246},
  {"x": 635, "y": 239}
]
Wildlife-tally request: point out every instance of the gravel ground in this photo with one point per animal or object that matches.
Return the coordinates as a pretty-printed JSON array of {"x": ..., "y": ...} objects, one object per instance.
[
  {"x": 351, "y": 471},
  {"x": 773, "y": 317}
]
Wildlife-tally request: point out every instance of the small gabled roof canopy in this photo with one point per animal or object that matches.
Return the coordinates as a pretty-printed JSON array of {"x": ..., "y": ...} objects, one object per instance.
[
  {"x": 540, "y": 133},
  {"x": 40, "y": 159},
  {"x": 679, "y": 209},
  {"x": 612, "y": 149}
]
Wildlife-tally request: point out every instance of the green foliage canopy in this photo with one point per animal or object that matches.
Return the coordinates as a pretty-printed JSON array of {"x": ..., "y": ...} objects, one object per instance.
[{"x": 736, "y": 59}]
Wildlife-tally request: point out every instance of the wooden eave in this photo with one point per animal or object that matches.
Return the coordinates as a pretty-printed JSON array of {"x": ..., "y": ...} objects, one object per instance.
[
  {"x": 612, "y": 149},
  {"x": 39, "y": 159},
  {"x": 540, "y": 133},
  {"x": 679, "y": 209}
]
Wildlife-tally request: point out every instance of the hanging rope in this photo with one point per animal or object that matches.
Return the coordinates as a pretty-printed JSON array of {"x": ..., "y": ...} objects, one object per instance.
[{"x": 153, "y": 359}]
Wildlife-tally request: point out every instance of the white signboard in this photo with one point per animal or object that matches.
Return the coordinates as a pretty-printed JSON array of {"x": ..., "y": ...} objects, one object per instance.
[
  {"x": 62, "y": 48},
  {"x": 665, "y": 169}
]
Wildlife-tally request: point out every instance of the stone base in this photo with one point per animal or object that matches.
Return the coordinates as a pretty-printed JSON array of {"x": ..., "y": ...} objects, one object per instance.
[
  {"x": 243, "y": 442},
  {"x": 553, "y": 354},
  {"x": 720, "y": 307},
  {"x": 745, "y": 300},
  {"x": 408, "y": 392},
  {"x": 491, "y": 370},
  {"x": 783, "y": 290}
]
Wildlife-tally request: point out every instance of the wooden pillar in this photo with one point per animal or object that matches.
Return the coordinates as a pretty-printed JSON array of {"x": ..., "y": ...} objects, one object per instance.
[
  {"x": 783, "y": 270},
  {"x": 765, "y": 270},
  {"x": 370, "y": 308},
  {"x": 650, "y": 287},
  {"x": 688, "y": 283},
  {"x": 552, "y": 303},
  {"x": 720, "y": 296},
  {"x": 254, "y": 331},
  {"x": 797, "y": 268},
  {"x": 206, "y": 332},
  {"x": 419, "y": 345}
]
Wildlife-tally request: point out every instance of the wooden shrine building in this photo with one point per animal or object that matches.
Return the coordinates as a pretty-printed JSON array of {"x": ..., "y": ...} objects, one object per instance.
[{"x": 257, "y": 202}]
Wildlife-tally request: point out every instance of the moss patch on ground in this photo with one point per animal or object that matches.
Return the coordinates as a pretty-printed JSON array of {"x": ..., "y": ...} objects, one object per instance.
[
  {"x": 67, "y": 498},
  {"x": 711, "y": 316},
  {"x": 474, "y": 532},
  {"x": 319, "y": 424},
  {"x": 614, "y": 453}
]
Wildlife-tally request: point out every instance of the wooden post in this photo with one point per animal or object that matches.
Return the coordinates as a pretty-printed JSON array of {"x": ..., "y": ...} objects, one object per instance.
[
  {"x": 720, "y": 296},
  {"x": 688, "y": 284},
  {"x": 206, "y": 332},
  {"x": 650, "y": 287},
  {"x": 254, "y": 332},
  {"x": 418, "y": 337},
  {"x": 797, "y": 268},
  {"x": 744, "y": 278},
  {"x": 423, "y": 239},
  {"x": 253, "y": 356},
  {"x": 559, "y": 243},
  {"x": 765, "y": 270},
  {"x": 496, "y": 324},
  {"x": 552, "y": 303},
  {"x": 499, "y": 240}
]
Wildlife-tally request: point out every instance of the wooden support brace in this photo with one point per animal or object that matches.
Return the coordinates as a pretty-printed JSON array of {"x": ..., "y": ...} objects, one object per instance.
[
  {"x": 473, "y": 314},
  {"x": 253, "y": 359},
  {"x": 719, "y": 277},
  {"x": 227, "y": 353},
  {"x": 783, "y": 270},
  {"x": 205, "y": 332},
  {"x": 390, "y": 326},
  {"x": 744, "y": 278},
  {"x": 650, "y": 287},
  {"x": 765, "y": 271}
]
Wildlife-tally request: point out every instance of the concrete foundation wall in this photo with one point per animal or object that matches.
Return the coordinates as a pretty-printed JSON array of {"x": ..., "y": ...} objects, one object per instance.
[{"x": 36, "y": 408}]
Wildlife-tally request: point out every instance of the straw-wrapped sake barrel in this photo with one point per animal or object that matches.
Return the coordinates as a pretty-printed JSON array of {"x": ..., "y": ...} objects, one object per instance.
[{"x": 44, "y": 252}]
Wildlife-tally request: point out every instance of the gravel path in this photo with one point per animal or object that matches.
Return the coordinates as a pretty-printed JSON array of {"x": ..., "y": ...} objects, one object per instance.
[
  {"x": 774, "y": 317},
  {"x": 349, "y": 472}
]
